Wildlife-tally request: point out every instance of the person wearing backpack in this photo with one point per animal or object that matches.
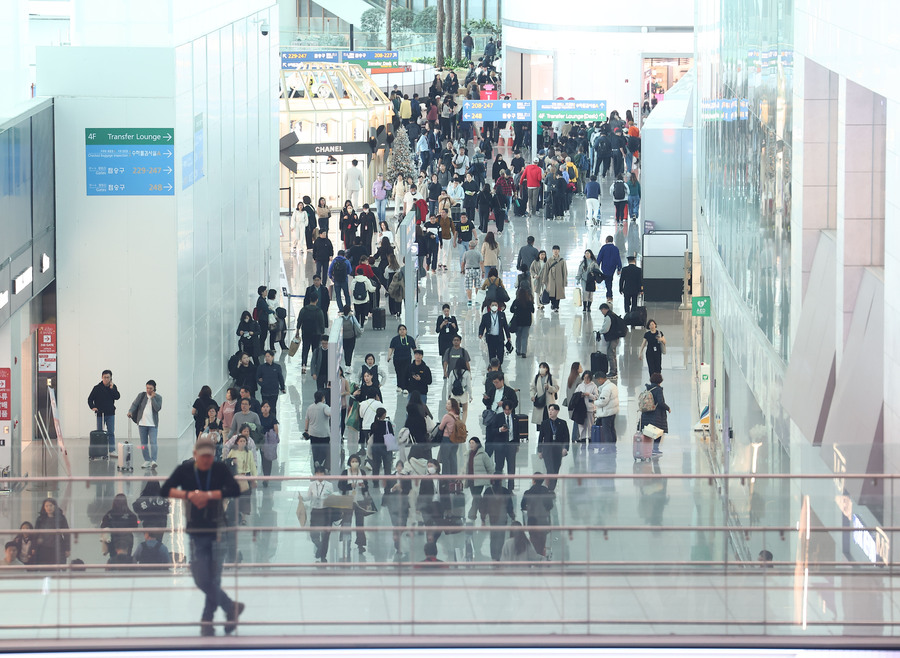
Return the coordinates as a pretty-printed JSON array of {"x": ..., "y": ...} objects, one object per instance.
[
  {"x": 339, "y": 273},
  {"x": 619, "y": 192},
  {"x": 461, "y": 387},
  {"x": 612, "y": 329},
  {"x": 453, "y": 433},
  {"x": 152, "y": 550},
  {"x": 654, "y": 410},
  {"x": 362, "y": 288}
]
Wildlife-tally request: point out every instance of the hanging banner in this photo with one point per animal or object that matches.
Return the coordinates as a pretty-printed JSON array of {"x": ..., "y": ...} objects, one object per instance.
[
  {"x": 5, "y": 383},
  {"x": 46, "y": 348}
]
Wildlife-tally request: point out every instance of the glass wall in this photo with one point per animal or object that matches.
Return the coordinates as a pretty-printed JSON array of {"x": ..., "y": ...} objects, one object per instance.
[{"x": 745, "y": 73}]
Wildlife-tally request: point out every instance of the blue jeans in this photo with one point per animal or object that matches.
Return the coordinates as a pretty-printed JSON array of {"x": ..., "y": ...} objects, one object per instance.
[
  {"x": 207, "y": 556},
  {"x": 467, "y": 52},
  {"x": 634, "y": 202},
  {"x": 628, "y": 157},
  {"x": 380, "y": 209},
  {"x": 447, "y": 456},
  {"x": 110, "y": 421},
  {"x": 339, "y": 287},
  {"x": 148, "y": 436}
]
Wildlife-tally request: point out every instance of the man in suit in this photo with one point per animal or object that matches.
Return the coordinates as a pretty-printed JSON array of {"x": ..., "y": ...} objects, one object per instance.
[
  {"x": 494, "y": 328},
  {"x": 630, "y": 283},
  {"x": 320, "y": 293},
  {"x": 501, "y": 435}
]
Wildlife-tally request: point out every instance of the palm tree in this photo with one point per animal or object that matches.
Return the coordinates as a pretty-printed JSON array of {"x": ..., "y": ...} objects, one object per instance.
[
  {"x": 387, "y": 20},
  {"x": 439, "y": 45},
  {"x": 448, "y": 29},
  {"x": 457, "y": 37}
]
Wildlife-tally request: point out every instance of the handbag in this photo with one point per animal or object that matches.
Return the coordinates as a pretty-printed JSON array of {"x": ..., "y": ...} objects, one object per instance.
[
  {"x": 295, "y": 345},
  {"x": 652, "y": 431},
  {"x": 545, "y": 298},
  {"x": 301, "y": 513},
  {"x": 509, "y": 347},
  {"x": 486, "y": 416},
  {"x": 366, "y": 506},
  {"x": 390, "y": 439},
  {"x": 540, "y": 401},
  {"x": 576, "y": 297}
]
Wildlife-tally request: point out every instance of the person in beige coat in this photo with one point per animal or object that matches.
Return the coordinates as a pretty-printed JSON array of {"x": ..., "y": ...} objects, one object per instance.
[
  {"x": 490, "y": 251},
  {"x": 543, "y": 384},
  {"x": 555, "y": 277},
  {"x": 538, "y": 268}
]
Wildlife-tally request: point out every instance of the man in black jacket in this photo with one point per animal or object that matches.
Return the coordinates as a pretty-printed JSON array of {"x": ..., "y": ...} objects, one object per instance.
[
  {"x": 320, "y": 293},
  {"x": 494, "y": 329},
  {"x": 311, "y": 325},
  {"x": 102, "y": 402},
  {"x": 418, "y": 375},
  {"x": 500, "y": 393},
  {"x": 536, "y": 505},
  {"x": 501, "y": 436},
  {"x": 553, "y": 443},
  {"x": 203, "y": 483},
  {"x": 271, "y": 380},
  {"x": 262, "y": 316},
  {"x": 630, "y": 283}
]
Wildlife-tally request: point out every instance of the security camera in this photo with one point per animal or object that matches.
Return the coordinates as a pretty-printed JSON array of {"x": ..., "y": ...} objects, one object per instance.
[{"x": 264, "y": 28}]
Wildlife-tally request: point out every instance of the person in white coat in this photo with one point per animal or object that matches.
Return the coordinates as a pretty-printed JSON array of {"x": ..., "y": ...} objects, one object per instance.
[
  {"x": 353, "y": 182},
  {"x": 607, "y": 407}
]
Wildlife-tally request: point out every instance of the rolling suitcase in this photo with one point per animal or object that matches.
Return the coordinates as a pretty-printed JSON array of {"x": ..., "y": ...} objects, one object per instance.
[
  {"x": 643, "y": 447},
  {"x": 378, "y": 319},
  {"x": 599, "y": 362},
  {"x": 99, "y": 445},
  {"x": 521, "y": 427},
  {"x": 596, "y": 434},
  {"x": 126, "y": 457}
]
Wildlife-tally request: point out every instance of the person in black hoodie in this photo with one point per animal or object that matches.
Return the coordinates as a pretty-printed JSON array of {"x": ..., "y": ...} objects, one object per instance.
[
  {"x": 487, "y": 203},
  {"x": 536, "y": 505},
  {"x": 152, "y": 509},
  {"x": 248, "y": 332},
  {"x": 418, "y": 376},
  {"x": 446, "y": 328},
  {"x": 381, "y": 456},
  {"x": 311, "y": 222},
  {"x": 102, "y": 402},
  {"x": 52, "y": 548},
  {"x": 120, "y": 517},
  {"x": 367, "y": 226}
]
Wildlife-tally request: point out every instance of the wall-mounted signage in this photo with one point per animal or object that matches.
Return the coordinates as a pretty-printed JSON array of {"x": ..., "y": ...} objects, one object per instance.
[
  {"x": 46, "y": 348},
  {"x": 129, "y": 161},
  {"x": 571, "y": 110},
  {"x": 5, "y": 383},
  {"x": 290, "y": 60},
  {"x": 497, "y": 110}
]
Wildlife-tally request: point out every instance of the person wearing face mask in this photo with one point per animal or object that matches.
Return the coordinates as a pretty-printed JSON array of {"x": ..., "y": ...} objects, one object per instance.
[
  {"x": 495, "y": 330},
  {"x": 358, "y": 489},
  {"x": 553, "y": 443},
  {"x": 543, "y": 393}
]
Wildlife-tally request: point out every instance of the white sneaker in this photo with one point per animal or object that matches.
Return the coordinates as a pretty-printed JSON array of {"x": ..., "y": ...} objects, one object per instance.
[
  {"x": 145, "y": 465},
  {"x": 113, "y": 455},
  {"x": 153, "y": 464}
]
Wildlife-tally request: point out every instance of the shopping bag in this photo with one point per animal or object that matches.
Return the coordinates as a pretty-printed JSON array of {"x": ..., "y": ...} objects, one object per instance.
[{"x": 576, "y": 297}]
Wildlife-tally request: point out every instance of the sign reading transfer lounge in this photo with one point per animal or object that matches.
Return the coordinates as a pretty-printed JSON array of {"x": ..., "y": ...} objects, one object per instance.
[
  {"x": 571, "y": 110},
  {"x": 129, "y": 161}
]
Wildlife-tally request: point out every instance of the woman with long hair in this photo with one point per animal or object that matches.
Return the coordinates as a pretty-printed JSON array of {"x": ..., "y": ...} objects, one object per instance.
[
  {"x": 490, "y": 251},
  {"x": 448, "y": 449},
  {"x": 323, "y": 214},
  {"x": 522, "y": 310},
  {"x": 52, "y": 547},
  {"x": 518, "y": 547},
  {"x": 543, "y": 393},
  {"x": 538, "y": 267},
  {"x": 586, "y": 276}
]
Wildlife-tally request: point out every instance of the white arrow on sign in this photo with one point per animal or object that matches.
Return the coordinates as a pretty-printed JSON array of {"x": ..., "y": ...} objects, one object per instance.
[
  {"x": 168, "y": 137},
  {"x": 168, "y": 154},
  {"x": 169, "y": 187},
  {"x": 168, "y": 170}
]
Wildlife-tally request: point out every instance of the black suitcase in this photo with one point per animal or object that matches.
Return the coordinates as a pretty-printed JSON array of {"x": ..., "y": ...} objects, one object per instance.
[
  {"x": 521, "y": 427},
  {"x": 378, "y": 318},
  {"x": 519, "y": 207},
  {"x": 599, "y": 363},
  {"x": 636, "y": 317},
  {"x": 99, "y": 445}
]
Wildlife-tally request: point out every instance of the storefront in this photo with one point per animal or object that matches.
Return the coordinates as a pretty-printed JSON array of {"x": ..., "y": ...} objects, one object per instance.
[
  {"x": 330, "y": 115},
  {"x": 27, "y": 292}
]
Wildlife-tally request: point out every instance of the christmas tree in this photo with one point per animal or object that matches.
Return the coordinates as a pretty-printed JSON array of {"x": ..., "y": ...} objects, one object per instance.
[{"x": 400, "y": 161}]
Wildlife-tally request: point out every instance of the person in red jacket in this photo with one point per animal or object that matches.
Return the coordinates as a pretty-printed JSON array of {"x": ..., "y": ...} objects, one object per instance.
[{"x": 533, "y": 177}]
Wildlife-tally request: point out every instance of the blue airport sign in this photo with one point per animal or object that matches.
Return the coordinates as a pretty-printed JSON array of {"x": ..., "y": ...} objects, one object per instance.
[
  {"x": 571, "y": 110},
  {"x": 500, "y": 110},
  {"x": 290, "y": 60},
  {"x": 129, "y": 161}
]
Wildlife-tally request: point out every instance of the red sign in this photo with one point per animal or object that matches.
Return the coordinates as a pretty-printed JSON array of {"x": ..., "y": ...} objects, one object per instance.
[
  {"x": 5, "y": 383},
  {"x": 46, "y": 347},
  {"x": 488, "y": 94}
]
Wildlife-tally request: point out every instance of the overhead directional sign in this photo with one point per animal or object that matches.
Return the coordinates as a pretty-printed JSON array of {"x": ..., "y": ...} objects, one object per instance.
[
  {"x": 290, "y": 60},
  {"x": 497, "y": 110},
  {"x": 571, "y": 110},
  {"x": 129, "y": 161},
  {"x": 370, "y": 59}
]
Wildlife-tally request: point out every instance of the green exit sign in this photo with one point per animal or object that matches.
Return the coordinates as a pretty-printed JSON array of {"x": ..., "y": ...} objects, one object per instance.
[{"x": 700, "y": 307}]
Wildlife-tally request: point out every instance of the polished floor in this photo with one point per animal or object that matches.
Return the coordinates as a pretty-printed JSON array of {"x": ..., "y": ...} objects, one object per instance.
[{"x": 653, "y": 518}]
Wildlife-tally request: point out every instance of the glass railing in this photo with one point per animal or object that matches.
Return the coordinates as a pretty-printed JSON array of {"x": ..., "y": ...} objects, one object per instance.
[{"x": 604, "y": 554}]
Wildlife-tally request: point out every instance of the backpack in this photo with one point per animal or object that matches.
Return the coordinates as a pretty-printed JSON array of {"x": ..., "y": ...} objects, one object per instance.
[
  {"x": 619, "y": 190},
  {"x": 360, "y": 294},
  {"x": 457, "y": 387},
  {"x": 339, "y": 270},
  {"x": 153, "y": 555},
  {"x": 646, "y": 403},
  {"x": 460, "y": 433},
  {"x": 617, "y": 328}
]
